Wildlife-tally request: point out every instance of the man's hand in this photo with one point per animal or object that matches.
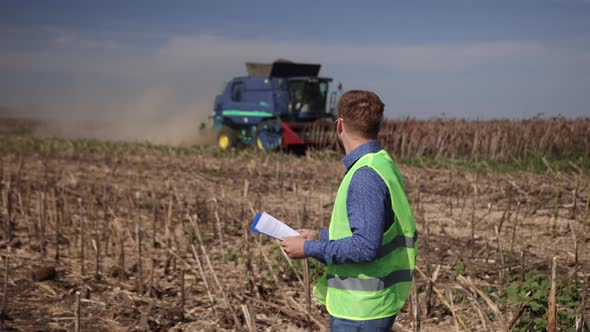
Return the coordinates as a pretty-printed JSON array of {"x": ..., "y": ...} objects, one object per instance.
[
  {"x": 294, "y": 246},
  {"x": 308, "y": 234}
]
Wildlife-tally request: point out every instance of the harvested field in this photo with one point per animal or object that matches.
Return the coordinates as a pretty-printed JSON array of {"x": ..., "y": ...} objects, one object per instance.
[{"x": 155, "y": 238}]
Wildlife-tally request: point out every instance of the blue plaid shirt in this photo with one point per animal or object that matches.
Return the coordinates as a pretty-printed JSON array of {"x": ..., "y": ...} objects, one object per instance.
[{"x": 369, "y": 210}]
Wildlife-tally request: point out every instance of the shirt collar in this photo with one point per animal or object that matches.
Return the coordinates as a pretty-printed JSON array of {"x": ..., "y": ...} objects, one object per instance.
[{"x": 361, "y": 150}]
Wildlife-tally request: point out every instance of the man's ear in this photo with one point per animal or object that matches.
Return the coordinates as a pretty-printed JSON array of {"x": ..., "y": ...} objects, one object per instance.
[{"x": 339, "y": 127}]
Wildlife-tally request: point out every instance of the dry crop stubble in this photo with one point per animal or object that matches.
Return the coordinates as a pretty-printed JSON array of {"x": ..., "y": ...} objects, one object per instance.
[{"x": 195, "y": 209}]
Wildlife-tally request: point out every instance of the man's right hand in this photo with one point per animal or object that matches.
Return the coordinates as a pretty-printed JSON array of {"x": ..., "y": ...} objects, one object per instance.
[{"x": 308, "y": 234}]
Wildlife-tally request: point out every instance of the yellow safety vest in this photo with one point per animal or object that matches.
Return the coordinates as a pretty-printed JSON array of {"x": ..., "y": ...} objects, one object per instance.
[{"x": 376, "y": 289}]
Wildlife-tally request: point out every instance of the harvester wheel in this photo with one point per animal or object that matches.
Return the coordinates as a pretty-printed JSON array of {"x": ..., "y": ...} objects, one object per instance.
[
  {"x": 226, "y": 138},
  {"x": 268, "y": 135}
]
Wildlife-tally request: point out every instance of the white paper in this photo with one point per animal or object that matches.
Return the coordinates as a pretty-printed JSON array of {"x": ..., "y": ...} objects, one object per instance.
[{"x": 271, "y": 226}]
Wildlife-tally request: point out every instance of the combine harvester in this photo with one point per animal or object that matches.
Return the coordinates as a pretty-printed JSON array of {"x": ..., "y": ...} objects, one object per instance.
[{"x": 282, "y": 105}]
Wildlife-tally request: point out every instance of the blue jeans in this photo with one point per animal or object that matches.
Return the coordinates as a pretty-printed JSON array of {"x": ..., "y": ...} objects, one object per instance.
[{"x": 374, "y": 325}]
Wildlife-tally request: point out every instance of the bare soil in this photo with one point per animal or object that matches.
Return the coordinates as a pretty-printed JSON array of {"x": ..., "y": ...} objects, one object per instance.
[{"x": 56, "y": 206}]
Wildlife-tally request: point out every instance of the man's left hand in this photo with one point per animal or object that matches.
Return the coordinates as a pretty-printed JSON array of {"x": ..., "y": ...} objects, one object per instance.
[{"x": 294, "y": 246}]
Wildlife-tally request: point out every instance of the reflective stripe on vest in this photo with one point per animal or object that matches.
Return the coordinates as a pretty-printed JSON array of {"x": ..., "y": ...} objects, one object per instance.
[
  {"x": 370, "y": 284},
  {"x": 399, "y": 241}
]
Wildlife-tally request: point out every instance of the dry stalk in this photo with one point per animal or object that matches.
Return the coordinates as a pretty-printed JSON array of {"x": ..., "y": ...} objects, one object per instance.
[
  {"x": 514, "y": 227},
  {"x": 30, "y": 226},
  {"x": 451, "y": 193},
  {"x": 282, "y": 307},
  {"x": 547, "y": 165},
  {"x": 8, "y": 212},
  {"x": 505, "y": 215},
  {"x": 182, "y": 295},
  {"x": 58, "y": 221},
  {"x": 575, "y": 199},
  {"x": 225, "y": 214},
  {"x": 249, "y": 317},
  {"x": 451, "y": 306},
  {"x": 574, "y": 238},
  {"x": 486, "y": 247},
  {"x": 152, "y": 271},
  {"x": 582, "y": 322},
  {"x": 468, "y": 284},
  {"x": 107, "y": 233},
  {"x": 522, "y": 265},
  {"x": 586, "y": 210},
  {"x": 77, "y": 312},
  {"x": 501, "y": 256},
  {"x": 145, "y": 316},
  {"x": 473, "y": 229},
  {"x": 307, "y": 290},
  {"x": 552, "y": 311},
  {"x": 220, "y": 287},
  {"x": 482, "y": 317},
  {"x": 578, "y": 169},
  {"x": 168, "y": 231},
  {"x": 97, "y": 240},
  {"x": 82, "y": 240},
  {"x": 3, "y": 212},
  {"x": 517, "y": 315},
  {"x": 250, "y": 274},
  {"x": 416, "y": 319},
  {"x": 50, "y": 216},
  {"x": 321, "y": 220},
  {"x": 5, "y": 293},
  {"x": 219, "y": 231},
  {"x": 204, "y": 278},
  {"x": 118, "y": 231},
  {"x": 555, "y": 213},
  {"x": 246, "y": 184},
  {"x": 194, "y": 221},
  {"x": 295, "y": 304},
  {"x": 139, "y": 255},
  {"x": 156, "y": 208},
  {"x": 429, "y": 279},
  {"x": 41, "y": 229}
]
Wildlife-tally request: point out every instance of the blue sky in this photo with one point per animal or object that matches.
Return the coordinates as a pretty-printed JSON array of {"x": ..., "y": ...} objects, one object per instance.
[{"x": 151, "y": 59}]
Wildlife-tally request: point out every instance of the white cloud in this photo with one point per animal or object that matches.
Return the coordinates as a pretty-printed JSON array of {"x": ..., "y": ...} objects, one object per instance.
[
  {"x": 210, "y": 50},
  {"x": 76, "y": 52}
]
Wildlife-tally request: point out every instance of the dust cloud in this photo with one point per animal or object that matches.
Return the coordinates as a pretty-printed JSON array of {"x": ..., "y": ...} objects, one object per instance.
[
  {"x": 157, "y": 116},
  {"x": 160, "y": 94}
]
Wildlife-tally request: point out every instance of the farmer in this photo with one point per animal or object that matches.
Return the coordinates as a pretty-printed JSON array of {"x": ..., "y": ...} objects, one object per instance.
[{"x": 370, "y": 247}]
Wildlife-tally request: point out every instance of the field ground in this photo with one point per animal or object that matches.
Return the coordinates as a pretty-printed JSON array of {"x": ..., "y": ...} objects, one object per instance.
[{"x": 83, "y": 206}]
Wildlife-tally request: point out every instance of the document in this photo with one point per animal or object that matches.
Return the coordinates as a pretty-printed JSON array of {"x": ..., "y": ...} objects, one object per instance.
[{"x": 270, "y": 226}]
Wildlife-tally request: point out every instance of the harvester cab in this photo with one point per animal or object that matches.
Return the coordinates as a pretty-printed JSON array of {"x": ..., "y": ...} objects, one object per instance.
[{"x": 278, "y": 105}]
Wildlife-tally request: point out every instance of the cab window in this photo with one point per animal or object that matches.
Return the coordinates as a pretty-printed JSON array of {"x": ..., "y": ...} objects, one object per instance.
[{"x": 236, "y": 91}]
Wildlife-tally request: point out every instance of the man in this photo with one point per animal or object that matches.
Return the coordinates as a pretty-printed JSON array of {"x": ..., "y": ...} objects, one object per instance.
[{"x": 370, "y": 247}]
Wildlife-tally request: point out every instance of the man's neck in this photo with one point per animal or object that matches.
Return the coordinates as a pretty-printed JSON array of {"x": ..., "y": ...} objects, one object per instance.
[{"x": 353, "y": 143}]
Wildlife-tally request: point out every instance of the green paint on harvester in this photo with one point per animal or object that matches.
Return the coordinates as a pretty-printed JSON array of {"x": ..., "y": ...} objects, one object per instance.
[{"x": 245, "y": 113}]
